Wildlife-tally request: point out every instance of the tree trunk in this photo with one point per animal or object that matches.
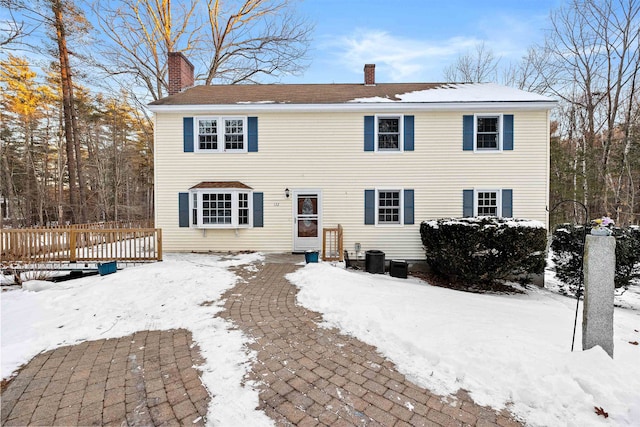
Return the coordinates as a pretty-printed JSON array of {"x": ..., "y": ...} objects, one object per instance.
[
  {"x": 82, "y": 186},
  {"x": 67, "y": 104},
  {"x": 10, "y": 193}
]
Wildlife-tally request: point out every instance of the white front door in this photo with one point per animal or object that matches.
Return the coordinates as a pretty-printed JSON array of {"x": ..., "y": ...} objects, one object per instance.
[{"x": 307, "y": 220}]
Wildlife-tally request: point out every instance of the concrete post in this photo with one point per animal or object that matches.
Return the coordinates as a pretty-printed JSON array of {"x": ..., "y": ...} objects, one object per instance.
[{"x": 599, "y": 271}]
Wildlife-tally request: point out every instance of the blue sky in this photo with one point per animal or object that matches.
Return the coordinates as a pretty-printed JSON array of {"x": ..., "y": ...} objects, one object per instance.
[
  {"x": 411, "y": 40},
  {"x": 414, "y": 40}
]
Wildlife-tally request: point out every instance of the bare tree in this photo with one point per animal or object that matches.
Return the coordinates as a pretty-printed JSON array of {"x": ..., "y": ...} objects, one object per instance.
[
  {"x": 257, "y": 38},
  {"x": 229, "y": 42},
  {"x": 11, "y": 30},
  {"x": 474, "y": 67},
  {"x": 530, "y": 73},
  {"x": 141, "y": 34},
  {"x": 595, "y": 48}
]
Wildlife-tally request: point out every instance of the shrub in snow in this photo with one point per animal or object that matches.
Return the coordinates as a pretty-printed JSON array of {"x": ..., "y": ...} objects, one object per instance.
[
  {"x": 482, "y": 250},
  {"x": 567, "y": 242},
  {"x": 627, "y": 255}
]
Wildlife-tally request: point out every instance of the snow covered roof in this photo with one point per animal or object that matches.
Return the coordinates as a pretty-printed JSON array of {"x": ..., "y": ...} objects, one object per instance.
[{"x": 349, "y": 94}]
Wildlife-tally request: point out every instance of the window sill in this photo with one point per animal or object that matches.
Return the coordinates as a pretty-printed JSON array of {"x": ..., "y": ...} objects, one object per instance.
[
  {"x": 487, "y": 150},
  {"x": 219, "y": 227},
  {"x": 220, "y": 152}
]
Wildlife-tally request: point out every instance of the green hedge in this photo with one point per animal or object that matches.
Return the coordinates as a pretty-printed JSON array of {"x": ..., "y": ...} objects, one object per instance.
[
  {"x": 566, "y": 245},
  {"x": 482, "y": 250}
]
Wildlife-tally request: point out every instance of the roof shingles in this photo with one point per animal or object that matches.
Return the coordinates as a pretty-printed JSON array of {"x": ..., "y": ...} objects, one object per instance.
[
  {"x": 289, "y": 93},
  {"x": 332, "y": 94},
  {"x": 221, "y": 184}
]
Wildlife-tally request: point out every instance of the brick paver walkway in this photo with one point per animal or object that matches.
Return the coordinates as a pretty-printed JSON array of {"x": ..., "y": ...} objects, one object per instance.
[
  {"x": 308, "y": 375},
  {"x": 142, "y": 379},
  {"x": 314, "y": 376}
]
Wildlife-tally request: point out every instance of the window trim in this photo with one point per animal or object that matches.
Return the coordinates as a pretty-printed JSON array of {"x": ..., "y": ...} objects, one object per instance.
[
  {"x": 400, "y": 191},
  {"x": 235, "y": 207},
  {"x": 500, "y": 132},
  {"x": 476, "y": 205},
  {"x": 376, "y": 142},
  {"x": 221, "y": 126}
]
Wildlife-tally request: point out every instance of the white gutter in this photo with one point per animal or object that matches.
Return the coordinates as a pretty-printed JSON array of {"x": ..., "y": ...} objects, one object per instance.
[{"x": 378, "y": 107}]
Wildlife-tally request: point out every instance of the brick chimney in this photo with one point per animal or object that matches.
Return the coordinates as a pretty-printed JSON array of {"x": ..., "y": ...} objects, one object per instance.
[
  {"x": 180, "y": 73},
  {"x": 370, "y": 74}
]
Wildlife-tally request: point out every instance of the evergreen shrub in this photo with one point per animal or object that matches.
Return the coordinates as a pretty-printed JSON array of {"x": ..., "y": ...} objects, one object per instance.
[
  {"x": 478, "y": 251},
  {"x": 567, "y": 242}
]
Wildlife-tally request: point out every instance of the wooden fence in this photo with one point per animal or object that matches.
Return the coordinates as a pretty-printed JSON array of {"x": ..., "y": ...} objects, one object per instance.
[
  {"x": 106, "y": 225},
  {"x": 79, "y": 244},
  {"x": 332, "y": 245}
]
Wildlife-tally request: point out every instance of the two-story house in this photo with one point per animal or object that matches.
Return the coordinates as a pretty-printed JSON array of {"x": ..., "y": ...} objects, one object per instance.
[{"x": 266, "y": 167}]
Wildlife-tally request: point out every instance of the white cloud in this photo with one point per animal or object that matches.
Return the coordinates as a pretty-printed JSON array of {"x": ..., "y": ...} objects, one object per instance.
[
  {"x": 397, "y": 58},
  {"x": 413, "y": 58}
]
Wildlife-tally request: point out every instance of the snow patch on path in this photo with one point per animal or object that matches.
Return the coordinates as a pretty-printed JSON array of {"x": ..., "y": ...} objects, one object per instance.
[
  {"x": 183, "y": 291},
  {"x": 507, "y": 350}
]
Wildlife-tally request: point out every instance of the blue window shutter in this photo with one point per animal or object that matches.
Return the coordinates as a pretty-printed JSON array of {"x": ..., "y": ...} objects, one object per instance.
[
  {"x": 369, "y": 132},
  {"x": 369, "y": 207},
  {"x": 507, "y": 129},
  {"x": 252, "y": 125},
  {"x": 258, "y": 209},
  {"x": 507, "y": 203},
  {"x": 408, "y": 133},
  {"x": 408, "y": 207},
  {"x": 188, "y": 134},
  {"x": 183, "y": 209},
  {"x": 467, "y": 133},
  {"x": 467, "y": 203}
]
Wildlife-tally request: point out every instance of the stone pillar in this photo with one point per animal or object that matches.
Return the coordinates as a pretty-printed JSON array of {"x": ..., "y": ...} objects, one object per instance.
[{"x": 599, "y": 271}]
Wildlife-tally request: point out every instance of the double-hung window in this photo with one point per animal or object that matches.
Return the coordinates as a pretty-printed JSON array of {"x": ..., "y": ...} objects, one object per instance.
[
  {"x": 389, "y": 207},
  {"x": 208, "y": 134},
  {"x": 488, "y": 132},
  {"x": 389, "y": 133},
  {"x": 223, "y": 208},
  {"x": 221, "y": 134},
  {"x": 488, "y": 136},
  {"x": 488, "y": 203}
]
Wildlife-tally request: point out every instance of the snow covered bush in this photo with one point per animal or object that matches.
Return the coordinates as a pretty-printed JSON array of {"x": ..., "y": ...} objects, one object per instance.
[
  {"x": 567, "y": 243},
  {"x": 627, "y": 256},
  {"x": 479, "y": 251}
]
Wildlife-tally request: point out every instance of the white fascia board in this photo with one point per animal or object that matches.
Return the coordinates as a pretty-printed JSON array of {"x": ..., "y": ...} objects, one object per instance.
[{"x": 353, "y": 107}]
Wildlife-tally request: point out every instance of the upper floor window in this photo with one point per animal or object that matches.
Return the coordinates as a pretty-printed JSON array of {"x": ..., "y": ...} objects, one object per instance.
[
  {"x": 487, "y": 132},
  {"x": 208, "y": 134},
  {"x": 221, "y": 134},
  {"x": 389, "y": 135}
]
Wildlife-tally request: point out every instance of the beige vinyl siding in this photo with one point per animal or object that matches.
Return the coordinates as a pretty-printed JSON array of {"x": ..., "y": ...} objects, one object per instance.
[{"x": 326, "y": 151}]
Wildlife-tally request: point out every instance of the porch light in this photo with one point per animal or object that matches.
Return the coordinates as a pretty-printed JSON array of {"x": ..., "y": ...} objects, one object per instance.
[{"x": 286, "y": 193}]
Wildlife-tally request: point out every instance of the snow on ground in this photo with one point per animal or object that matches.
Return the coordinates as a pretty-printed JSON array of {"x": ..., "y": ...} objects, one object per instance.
[
  {"x": 507, "y": 350},
  {"x": 626, "y": 297},
  {"x": 157, "y": 296}
]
